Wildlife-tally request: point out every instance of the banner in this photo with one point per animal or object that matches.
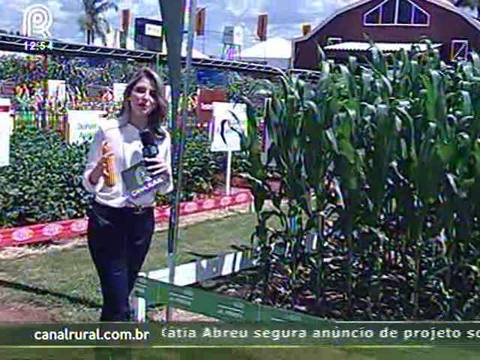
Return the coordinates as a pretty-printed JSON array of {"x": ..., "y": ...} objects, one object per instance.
[
  {"x": 83, "y": 124},
  {"x": 260, "y": 334},
  {"x": 130, "y": 36},
  {"x": 230, "y": 120}
]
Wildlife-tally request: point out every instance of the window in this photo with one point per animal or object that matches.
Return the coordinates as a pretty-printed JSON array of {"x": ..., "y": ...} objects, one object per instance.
[
  {"x": 388, "y": 12},
  {"x": 404, "y": 12},
  {"x": 459, "y": 50},
  {"x": 396, "y": 12},
  {"x": 372, "y": 18},
  {"x": 420, "y": 18}
]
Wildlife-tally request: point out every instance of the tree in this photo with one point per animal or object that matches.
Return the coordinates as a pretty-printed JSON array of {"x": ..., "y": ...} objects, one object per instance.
[
  {"x": 472, "y": 4},
  {"x": 93, "y": 22}
]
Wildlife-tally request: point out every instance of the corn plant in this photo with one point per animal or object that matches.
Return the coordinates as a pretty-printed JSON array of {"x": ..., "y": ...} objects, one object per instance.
[{"x": 380, "y": 163}]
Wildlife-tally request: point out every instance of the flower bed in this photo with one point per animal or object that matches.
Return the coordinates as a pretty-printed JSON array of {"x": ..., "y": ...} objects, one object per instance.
[{"x": 69, "y": 229}]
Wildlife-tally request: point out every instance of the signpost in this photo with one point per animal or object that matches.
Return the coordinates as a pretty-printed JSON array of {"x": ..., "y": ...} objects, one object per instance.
[
  {"x": 230, "y": 120},
  {"x": 83, "y": 124},
  {"x": 37, "y": 21}
]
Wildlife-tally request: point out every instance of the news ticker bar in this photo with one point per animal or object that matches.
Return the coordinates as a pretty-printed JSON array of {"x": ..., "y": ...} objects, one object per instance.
[{"x": 240, "y": 334}]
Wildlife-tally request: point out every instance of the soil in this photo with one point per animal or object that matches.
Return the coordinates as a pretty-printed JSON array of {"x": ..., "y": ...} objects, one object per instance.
[{"x": 23, "y": 313}]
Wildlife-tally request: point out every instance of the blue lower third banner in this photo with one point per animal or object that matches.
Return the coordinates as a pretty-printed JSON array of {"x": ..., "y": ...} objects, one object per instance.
[{"x": 254, "y": 334}]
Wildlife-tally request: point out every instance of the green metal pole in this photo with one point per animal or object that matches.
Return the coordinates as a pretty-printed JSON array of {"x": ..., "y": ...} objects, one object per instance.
[{"x": 174, "y": 214}]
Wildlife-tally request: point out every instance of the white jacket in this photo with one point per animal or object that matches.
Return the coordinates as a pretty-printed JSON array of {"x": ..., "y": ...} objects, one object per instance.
[{"x": 126, "y": 145}]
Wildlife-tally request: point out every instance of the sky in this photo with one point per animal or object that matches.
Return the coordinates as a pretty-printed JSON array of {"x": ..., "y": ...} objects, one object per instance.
[{"x": 285, "y": 17}]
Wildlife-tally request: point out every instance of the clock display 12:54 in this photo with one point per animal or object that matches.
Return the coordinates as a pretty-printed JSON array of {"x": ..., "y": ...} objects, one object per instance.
[{"x": 37, "y": 45}]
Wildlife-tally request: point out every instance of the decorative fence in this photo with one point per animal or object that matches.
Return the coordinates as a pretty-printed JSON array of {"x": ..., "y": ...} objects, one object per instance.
[{"x": 68, "y": 229}]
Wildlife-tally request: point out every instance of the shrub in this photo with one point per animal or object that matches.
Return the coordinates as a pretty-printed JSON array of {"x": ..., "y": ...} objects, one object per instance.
[
  {"x": 200, "y": 166},
  {"x": 44, "y": 181}
]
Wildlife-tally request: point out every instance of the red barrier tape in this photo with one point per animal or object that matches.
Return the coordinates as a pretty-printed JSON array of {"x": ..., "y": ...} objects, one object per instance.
[{"x": 78, "y": 227}]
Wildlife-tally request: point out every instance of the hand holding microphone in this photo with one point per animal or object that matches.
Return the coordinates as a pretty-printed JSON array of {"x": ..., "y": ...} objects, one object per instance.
[
  {"x": 150, "y": 148},
  {"x": 150, "y": 152}
]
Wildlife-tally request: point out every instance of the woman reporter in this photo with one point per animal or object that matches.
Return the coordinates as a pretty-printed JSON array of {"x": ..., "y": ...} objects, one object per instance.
[{"x": 120, "y": 225}]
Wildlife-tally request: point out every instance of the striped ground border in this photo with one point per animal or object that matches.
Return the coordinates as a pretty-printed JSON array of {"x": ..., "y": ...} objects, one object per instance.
[{"x": 68, "y": 229}]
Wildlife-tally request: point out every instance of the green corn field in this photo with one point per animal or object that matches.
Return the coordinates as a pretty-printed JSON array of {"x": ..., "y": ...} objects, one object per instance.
[{"x": 380, "y": 163}]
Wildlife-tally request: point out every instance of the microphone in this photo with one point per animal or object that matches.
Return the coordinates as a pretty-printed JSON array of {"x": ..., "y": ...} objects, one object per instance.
[{"x": 150, "y": 148}]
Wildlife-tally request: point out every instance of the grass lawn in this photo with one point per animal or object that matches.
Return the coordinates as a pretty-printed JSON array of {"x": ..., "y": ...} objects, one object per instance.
[{"x": 65, "y": 281}]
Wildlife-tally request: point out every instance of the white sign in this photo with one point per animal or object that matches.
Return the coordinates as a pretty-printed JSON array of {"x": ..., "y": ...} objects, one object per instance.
[
  {"x": 233, "y": 35},
  {"x": 6, "y": 128},
  {"x": 37, "y": 20},
  {"x": 118, "y": 91},
  {"x": 83, "y": 124},
  {"x": 168, "y": 93},
  {"x": 6, "y": 107},
  {"x": 228, "y": 34},
  {"x": 238, "y": 36},
  {"x": 153, "y": 30},
  {"x": 57, "y": 89},
  {"x": 4, "y": 140},
  {"x": 230, "y": 120}
]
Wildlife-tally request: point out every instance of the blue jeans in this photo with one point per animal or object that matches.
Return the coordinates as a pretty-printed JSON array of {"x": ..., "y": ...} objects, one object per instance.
[{"x": 118, "y": 240}]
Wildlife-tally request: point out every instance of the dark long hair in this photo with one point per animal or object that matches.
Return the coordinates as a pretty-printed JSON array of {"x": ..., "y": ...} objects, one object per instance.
[{"x": 159, "y": 113}]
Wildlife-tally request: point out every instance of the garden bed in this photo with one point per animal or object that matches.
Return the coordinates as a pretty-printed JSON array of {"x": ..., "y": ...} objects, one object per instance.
[
  {"x": 237, "y": 287},
  {"x": 151, "y": 291},
  {"x": 188, "y": 291}
]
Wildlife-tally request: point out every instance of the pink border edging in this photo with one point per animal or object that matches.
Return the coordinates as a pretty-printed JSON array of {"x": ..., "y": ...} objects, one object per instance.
[{"x": 65, "y": 229}]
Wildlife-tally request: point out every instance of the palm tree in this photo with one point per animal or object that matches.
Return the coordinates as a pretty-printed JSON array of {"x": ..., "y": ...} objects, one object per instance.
[
  {"x": 472, "y": 4},
  {"x": 93, "y": 22}
]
